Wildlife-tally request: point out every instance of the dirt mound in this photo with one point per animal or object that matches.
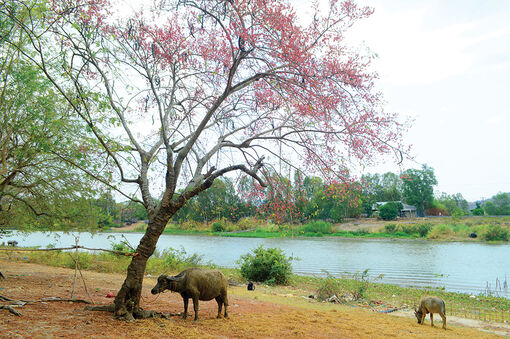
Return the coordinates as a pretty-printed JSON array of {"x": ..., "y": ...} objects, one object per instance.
[{"x": 251, "y": 314}]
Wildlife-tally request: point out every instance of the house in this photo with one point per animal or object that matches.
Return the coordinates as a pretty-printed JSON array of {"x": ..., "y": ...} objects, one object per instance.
[{"x": 407, "y": 211}]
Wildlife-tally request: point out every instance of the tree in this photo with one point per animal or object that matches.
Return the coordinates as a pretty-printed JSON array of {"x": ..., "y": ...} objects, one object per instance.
[
  {"x": 375, "y": 187},
  {"x": 454, "y": 204},
  {"x": 498, "y": 205},
  {"x": 202, "y": 89},
  {"x": 36, "y": 187},
  {"x": 418, "y": 187}
]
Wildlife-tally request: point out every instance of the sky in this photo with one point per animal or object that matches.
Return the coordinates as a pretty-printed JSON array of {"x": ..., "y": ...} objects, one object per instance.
[{"x": 445, "y": 64}]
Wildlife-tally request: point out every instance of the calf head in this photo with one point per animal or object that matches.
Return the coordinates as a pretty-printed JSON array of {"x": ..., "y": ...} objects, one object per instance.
[{"x": 165, "y": 282}]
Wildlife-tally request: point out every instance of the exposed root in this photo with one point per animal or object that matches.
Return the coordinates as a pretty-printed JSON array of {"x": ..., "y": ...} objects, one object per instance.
[
  {"x": 139, "y": 313},
  {"x": 11, "y": 309}
]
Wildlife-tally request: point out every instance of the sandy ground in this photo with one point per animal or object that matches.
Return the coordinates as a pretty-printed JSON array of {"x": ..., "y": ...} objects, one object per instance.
[{"x": 262, "y": 313}]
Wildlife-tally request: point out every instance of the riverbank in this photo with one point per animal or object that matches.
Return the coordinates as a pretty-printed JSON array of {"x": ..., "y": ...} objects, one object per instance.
[
  {"x": 278, "y": 312},
  {"x": 355, "y": 290},
  {"x": 466, "y": 229}
]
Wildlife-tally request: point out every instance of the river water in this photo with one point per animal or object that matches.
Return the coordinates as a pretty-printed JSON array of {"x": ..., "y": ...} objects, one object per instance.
[{"x": 455, "y": 266}]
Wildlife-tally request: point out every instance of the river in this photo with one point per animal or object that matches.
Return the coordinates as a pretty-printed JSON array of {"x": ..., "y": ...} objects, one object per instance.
[{"x": 455, "y": 266}]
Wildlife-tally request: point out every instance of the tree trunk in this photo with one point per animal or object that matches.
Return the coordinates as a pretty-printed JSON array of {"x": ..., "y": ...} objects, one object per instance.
[{"x": 127, "y": 301}]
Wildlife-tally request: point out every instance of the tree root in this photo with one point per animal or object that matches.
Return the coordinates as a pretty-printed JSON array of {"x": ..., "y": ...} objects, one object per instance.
[
  {"x": 128, "y": 316},
  {"x": 11, "y": 309}
]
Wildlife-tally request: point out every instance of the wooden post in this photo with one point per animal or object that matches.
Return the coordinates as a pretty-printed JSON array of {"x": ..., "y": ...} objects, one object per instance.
[{"x": 75, "y": 265}]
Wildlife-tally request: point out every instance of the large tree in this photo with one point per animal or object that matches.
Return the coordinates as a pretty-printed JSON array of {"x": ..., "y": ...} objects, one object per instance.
[
  {"x": 188, "y": 91},
  {"x": 36, "y": 188},
  {"x": 418, "y": 187}
]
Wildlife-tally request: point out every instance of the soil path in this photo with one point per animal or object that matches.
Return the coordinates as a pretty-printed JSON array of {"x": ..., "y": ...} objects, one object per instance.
[{"x": 258, "y": 314}]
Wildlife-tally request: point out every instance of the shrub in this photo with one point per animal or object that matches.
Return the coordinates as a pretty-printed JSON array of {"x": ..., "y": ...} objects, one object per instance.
[
  {"x": 328, "y": 287},
  {"x": 389, "y": 211},
  {"x": 317, "y": 227},
  {"x": 495, "y": 232},
  {"x": 423, "y": 229},
  {"x": 390, "y": 228},
  {"x": 441, "y": 231},
  {"x": 218, "y": 227},
  {"x": 122, "y": 247},
  {"x": 477, "y": 211},
  {"x": 270, "y": 265},
  {"x": 178, "y": 258}
]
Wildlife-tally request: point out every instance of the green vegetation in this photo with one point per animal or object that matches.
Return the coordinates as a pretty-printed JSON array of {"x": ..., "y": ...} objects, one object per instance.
[
  {"x": 390, "y": 210},
  {"x": 269, "y": 265},
  {"x": 445, "y": 229}
]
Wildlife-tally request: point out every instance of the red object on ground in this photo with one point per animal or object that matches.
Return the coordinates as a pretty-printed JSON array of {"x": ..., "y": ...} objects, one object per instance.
[{"x": 109, "y": 295}]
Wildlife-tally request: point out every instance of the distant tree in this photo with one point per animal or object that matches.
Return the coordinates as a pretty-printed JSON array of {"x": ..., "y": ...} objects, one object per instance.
[
  {"x": 498, "y": 205},
  {"x": 376, "y": 187},
  {"x": 418, "y": 187},
  {"x": 478, "y": 210},
  {"x": 453, "y": 204}
]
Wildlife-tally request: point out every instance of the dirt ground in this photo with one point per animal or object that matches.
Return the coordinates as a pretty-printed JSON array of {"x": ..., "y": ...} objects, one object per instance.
[{"x": 252, "y": 314}]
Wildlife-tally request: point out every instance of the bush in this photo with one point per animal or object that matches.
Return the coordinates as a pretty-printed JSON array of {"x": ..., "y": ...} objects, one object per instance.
[
  {"x": 270, "y": 265},
  {"x": 178, "y": 258},
  {"x": 441, "y": 231},
  {"x": 317, "y": 227},
  {"x": 495, "y": 232},
  {"x": 390, "y": 228},
  {"x": 478, "y": 211},
  {"x": 389, "y": 211},
  {"x": 218, "y": 227},
  {"x": 328, "y": 287}
]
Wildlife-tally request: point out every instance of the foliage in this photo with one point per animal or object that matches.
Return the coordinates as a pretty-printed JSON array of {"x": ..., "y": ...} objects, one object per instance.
[
  {"x": 38, "y": 186},
  {"x": 498, "y": 205},
  {"x": 179, "y": 258},
  {"x": 390, "y": 228},
  {"x": 269, "y": 265},
  {"x": 328, "y": 287},
  {"x": 361, "y": 284},
  {"x": 441, "y": 231},
  {"x": 455, "y": 205},
  {"x": 390, "y": 210},
  {"x": 418, "y": 187},
  {"x": 218, "y": 227},
  {"x": 495, "y": 232}
]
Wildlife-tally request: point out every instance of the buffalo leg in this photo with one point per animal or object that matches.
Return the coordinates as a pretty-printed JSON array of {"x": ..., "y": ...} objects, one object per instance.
[
  {"x": 185, "y": 314},
  {"x": 225, "y": 303},
  {"x": 219, "y": 300},
  {"x": 444, "y": 320},
  {"x": 195, "y": 306}
]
